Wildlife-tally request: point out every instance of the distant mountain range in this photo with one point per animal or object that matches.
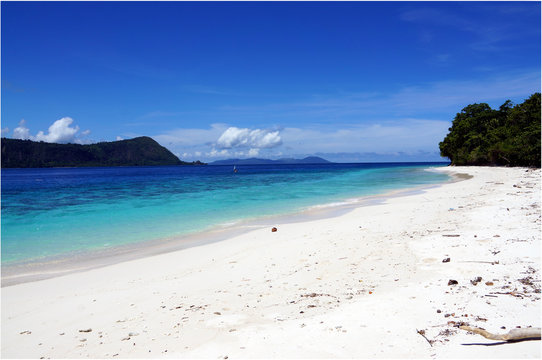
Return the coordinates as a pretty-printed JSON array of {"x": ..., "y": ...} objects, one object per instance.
[
  {"x": 256, "y": 161},
  {"x": 140, "y": 151}
]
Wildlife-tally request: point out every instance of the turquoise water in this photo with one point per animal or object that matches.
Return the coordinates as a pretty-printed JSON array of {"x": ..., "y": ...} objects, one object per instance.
[{"x": 49, "y": 212}]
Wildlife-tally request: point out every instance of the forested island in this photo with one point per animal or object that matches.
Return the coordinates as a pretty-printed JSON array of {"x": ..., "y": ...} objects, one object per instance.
[
  {"x": 140, "y": 151},
  {"x": 509, "y": 136},
  {"x": 257, "y": 161}
]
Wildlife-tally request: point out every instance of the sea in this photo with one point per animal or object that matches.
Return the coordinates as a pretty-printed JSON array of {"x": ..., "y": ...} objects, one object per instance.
[{"x": 46, "y": 213}]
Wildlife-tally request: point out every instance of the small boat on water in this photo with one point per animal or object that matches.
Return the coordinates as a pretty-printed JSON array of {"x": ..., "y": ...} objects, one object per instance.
[{"x": 234, "y": 169}]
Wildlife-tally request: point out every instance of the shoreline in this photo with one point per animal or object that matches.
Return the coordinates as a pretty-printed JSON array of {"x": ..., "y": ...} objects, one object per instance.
[
  {"x": 362, "y": 284},
  {"x": 18, "y": 272}
]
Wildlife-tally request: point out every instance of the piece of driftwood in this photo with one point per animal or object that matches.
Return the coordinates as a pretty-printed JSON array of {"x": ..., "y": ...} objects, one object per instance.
[
  {"x": 512, "y": 335},
  {"x": 481, "y": 262},
  {"x": 422, "y": 333},
  {"x": 513, "y": 293}
]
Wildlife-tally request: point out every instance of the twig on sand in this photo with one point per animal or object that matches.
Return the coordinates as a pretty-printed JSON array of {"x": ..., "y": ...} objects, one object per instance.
[
  {"x": 513, "y": 293},
  {"x": 512, "y": 335},
  {"x": 422, "y": 333}
]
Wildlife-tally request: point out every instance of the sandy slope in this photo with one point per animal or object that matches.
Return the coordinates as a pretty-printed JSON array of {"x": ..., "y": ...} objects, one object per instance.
[{"x": 358, "y": 285}]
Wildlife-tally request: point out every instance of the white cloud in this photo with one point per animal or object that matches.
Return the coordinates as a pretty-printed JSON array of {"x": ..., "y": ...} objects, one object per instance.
[
  {"x": 485, "y": 35},
  {"x": 21, "y": 131},
  {"x": 119, "y": 138},
  {"x": 455, "y": 94},
  {"x": 253, "y": 152},
  {"x": 410, "y": 118},
  {"x": 442, "y": 98},
  {"x": 186, "y": 138},
  {"x": 403, "y": 135},
  {"x": 219, "y": 141},
  {"x": 222, "y": 153},
  {"x": 5, "y": 131},
  {"x": 235, "y": 137},
  {"x": 399, "y": 135},
  {"x": 60, "y": 132}
]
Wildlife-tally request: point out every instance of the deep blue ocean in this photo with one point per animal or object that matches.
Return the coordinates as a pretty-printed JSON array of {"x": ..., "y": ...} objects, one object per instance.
[{"x": 59, "y": 211}]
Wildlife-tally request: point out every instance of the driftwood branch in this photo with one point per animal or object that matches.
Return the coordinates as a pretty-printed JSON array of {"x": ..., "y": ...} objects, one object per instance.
[
  {"x": 512, "y": 335},
  {"x": 422, "y": 333},
  {"x": 513, "y": 293}
]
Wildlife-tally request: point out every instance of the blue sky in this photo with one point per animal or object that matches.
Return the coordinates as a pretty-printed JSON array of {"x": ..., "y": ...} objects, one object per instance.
[{"x": 349, "y": 81}]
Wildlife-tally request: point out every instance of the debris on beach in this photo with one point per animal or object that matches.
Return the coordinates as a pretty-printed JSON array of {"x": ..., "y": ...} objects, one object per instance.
[
  {"x": 422, "y": 333},
  {"x": 447, "y": 332},
  {"x": 446, "y": 260},
  {"x": 313, "y": 295},
  {"x": 274, "y": 229},
  {"x": 452, "y": 282},
  {"x": 517, "y": 334}
]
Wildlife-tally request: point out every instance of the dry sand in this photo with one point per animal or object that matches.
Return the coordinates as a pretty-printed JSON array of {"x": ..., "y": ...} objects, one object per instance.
[{"x": 359, "y": 285}]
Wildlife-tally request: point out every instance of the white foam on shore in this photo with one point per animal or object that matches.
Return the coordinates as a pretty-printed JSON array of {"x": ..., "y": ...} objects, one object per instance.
[{"x": 336, "y": 204}]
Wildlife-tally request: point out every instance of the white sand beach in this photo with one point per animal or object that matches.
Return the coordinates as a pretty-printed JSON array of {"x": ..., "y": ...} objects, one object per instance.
[{"x": 360, "y": 285}]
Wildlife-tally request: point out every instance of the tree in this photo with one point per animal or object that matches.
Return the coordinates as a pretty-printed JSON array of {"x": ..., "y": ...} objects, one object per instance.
[{"x": 509, "y": 136}]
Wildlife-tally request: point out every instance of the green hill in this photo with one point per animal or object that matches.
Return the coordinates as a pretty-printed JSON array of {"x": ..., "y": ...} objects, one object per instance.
[
  {"x": 509, "y": 136},
  {"x": 140, "y": 151}
]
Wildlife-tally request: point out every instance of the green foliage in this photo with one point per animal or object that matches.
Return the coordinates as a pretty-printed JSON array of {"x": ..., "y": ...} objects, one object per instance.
[
  {"x": 483, "y": 136},
  {"x": 139, "y": 151}
]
